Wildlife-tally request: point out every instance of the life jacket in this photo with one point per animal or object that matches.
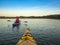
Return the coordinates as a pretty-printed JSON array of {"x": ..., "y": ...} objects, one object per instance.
[{"x": 17, "y": 20}]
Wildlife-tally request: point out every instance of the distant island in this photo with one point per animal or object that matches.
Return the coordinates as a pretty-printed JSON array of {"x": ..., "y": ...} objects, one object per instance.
[{"x": 56, "y": 16}]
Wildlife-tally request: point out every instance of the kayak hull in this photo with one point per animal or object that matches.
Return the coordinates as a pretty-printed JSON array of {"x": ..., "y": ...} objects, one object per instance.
[{"x": 15, "y": 25}]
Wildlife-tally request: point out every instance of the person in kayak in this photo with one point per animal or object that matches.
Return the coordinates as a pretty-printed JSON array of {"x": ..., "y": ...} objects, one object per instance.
[{"x": 16, "y": 23}]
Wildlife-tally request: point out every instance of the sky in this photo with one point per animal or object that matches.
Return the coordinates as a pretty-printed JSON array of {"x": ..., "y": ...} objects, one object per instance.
[{"x": 29, "y": 7}]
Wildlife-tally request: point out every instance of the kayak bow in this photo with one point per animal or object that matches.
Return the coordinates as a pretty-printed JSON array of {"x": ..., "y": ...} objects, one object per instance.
[{"x": 27, "y": 39}]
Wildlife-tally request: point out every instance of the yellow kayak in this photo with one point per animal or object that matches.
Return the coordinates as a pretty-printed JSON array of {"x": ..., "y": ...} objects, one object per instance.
[{"x": 27, "y": 39}]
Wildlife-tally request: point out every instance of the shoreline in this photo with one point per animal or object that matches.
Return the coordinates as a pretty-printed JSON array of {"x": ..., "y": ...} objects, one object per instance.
[{"x": 31, "y": 18}]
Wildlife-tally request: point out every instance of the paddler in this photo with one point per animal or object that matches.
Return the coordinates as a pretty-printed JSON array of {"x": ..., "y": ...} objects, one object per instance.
[
  {"x": 16, "y": 23},
  {"x": 17, "y": 20}
]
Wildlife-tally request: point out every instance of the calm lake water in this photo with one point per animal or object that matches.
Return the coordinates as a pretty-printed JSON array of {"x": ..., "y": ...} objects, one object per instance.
[{"x": 45, "y": 31}]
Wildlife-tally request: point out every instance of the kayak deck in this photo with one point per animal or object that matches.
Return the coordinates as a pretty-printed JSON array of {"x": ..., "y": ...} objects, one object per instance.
[
  {"x": 27, "y": 39},
  {"x": 26, "y": 42}
]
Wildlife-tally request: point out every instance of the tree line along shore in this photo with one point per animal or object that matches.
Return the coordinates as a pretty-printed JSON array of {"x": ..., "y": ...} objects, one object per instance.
[{"x": 48, "y": 17}]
